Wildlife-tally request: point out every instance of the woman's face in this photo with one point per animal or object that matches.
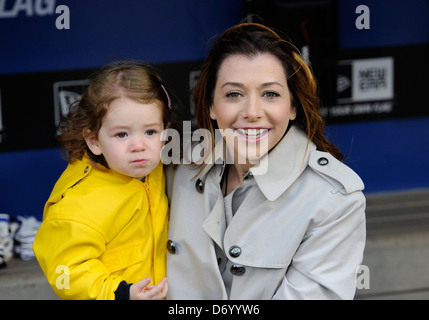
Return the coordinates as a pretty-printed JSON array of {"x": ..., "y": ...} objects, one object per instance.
[{"x": 251, "y": 105}]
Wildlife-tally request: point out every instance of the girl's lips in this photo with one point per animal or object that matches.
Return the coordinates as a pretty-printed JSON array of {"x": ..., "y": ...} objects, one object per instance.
[{"x": 140, "y": 161}]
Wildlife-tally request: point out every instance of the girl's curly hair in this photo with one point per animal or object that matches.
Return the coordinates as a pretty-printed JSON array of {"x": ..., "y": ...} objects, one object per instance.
[{"x": 134, "y": 80}]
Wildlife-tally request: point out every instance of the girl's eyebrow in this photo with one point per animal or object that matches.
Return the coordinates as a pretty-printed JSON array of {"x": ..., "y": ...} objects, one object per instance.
[
  {"x": 118, "y": 127},
  {"x": 147, "y": 124}
]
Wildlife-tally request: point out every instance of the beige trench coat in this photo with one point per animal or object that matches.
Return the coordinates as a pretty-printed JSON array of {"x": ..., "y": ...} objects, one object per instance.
[{"x": 301, "y": 234}]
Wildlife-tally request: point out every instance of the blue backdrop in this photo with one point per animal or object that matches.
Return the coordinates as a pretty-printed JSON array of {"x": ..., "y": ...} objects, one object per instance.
[
  {"x": 155, "y": 31},
  {"x": 389, "y": 155}
]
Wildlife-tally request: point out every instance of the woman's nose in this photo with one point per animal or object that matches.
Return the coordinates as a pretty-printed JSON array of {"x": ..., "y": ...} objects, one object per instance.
[{"x": 253, "y": 109}]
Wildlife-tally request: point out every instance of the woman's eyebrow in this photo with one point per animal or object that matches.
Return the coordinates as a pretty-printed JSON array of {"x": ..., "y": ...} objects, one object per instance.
[
  {"x": 267, "y": 84},
  {"x": 239, "y": 84},
  {"x": 235, "y": 84}
]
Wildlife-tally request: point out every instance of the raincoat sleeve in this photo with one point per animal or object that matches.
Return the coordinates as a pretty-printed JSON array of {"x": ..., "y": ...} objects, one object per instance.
[{"x": 67, "y": 249}]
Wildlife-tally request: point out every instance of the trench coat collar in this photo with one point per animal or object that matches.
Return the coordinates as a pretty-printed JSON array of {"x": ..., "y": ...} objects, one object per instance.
[{"x": 282, "y": 166}]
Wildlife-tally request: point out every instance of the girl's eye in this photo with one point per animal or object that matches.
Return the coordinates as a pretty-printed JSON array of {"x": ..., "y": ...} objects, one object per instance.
[
  {"x": 150, "y": 132},
  {"x": 271, "y": 94},
  {"x": 121, "y": 135}
]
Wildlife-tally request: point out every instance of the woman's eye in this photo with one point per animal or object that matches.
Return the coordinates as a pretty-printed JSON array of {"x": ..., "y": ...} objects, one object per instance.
[
  {"x": 233, "y": 95},
  {"x": 121, "y": 135},
  {"x": 271, "y": 94}
]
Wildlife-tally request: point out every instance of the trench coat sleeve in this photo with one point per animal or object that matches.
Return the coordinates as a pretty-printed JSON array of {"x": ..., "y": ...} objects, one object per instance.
[
  {"x": 70, "y": 263},
  {"x": 316, "y": 272}
]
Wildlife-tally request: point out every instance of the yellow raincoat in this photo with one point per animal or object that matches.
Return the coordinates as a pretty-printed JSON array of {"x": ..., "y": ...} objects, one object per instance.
[{"x": 100, "y": 228}]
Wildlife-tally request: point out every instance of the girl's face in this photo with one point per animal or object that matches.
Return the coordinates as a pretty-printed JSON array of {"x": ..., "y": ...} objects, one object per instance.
[
  {"x": 130, "y": 137},
  {"x": 252, "y": 105}
]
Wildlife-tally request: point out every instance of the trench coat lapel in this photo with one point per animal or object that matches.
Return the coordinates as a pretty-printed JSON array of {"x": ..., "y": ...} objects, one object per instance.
[
  {"x": 274, "y": 174},
  {"x": 282, "y": 166},
  {"x": 215, "y": 224}
]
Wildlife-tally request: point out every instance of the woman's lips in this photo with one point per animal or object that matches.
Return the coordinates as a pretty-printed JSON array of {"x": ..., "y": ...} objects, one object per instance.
[{"x": 252, "y": 134}]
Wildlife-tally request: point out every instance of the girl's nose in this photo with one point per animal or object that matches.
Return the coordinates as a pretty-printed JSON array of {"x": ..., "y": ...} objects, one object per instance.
[{"x": 138, "y": 144}]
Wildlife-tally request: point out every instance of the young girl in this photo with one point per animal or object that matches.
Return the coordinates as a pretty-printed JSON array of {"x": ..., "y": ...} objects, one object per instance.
[{"x": 104, "y": 229}]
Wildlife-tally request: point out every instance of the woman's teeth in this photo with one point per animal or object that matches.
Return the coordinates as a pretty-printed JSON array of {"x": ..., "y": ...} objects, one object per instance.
[{"x": 252, "y": 133}]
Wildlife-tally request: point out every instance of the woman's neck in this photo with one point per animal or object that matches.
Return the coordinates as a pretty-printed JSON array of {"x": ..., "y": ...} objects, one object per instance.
[{"x": 234, "y": 177}]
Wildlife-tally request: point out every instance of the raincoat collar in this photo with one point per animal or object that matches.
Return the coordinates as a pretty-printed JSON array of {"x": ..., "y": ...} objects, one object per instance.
[
  {"x": 278, "y": 169},
  {"x": 282, "y": 166}
]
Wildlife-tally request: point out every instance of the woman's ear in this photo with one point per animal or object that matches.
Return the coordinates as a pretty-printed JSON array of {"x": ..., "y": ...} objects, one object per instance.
[
  {"x": 92, "y": 142},
  {"x": 292, "y": 115},
  {"x": 212, "y": 114}
]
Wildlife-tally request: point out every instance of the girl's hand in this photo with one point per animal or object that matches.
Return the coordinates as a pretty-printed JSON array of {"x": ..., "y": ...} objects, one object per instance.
[{"x": 143, "y": 291}]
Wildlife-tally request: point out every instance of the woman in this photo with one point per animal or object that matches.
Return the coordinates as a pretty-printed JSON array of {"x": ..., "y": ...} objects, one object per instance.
[{"x": 279, "y": 217}]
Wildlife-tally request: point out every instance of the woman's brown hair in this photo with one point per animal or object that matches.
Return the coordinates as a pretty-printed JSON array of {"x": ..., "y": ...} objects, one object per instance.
[
  {"x": 252, "y": 39},
  {"x": 134, "y": 80}
]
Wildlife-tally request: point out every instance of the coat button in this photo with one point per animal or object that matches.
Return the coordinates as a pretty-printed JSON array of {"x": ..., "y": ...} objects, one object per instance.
[
  {"x": 235, "y": 251},
  {"x": 86, "y": 169},
  {"x": 237, "y": 269},
  {"x": 323, "y": 161},
  {"x": 199, "y": 185},
  {"x": 171, "y": 247}
]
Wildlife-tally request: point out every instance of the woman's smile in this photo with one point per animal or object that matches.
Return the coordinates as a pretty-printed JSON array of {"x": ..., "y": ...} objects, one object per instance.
[
  {"x": 253, "y": 113},
  {"x": 252, "y": 135}
]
